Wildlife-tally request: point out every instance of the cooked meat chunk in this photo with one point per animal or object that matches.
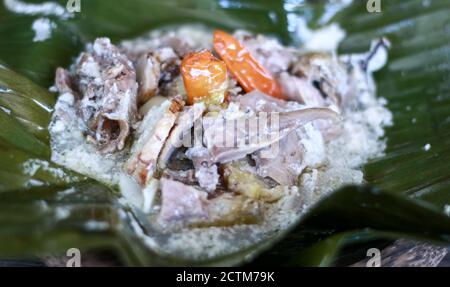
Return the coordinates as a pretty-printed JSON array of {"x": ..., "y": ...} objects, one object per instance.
[
  {"x": 157, "y": 69},
  {"x": 106, "y": 82},
  {"x": 267, "y": 51},
  {"x": 286, "y": 166},
  {"x": 234, "y": 134},
  {"x": 150, "y": 138},
  {"x": 187, "y": 205},
  {"x": 301, "y": 90},
  {"x": 181, "y": 134},
  {"x": 182, "y": 203},
  {"x": 326, "y": 73},
  {"x": 206, "y": 171},
  {"x": 260, "y": 102},
  {"x": 148, "y": 74},
  {"x": 163, "y": 55},
  {"x": 257, "y": 101}
]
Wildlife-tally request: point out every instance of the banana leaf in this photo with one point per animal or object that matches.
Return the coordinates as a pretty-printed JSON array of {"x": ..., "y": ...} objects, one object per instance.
[{"x": 406, "y": 191}]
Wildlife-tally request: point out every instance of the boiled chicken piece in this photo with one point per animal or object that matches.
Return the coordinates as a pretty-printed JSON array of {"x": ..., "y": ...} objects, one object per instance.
[
  {"x": 183, "y": 204},
  {"x": 156, "y": 70},
  {"x": 148, "y": 74},
  {"x": 170, "y": 79},
  {"x": 257, "y": 101},
  {"x": 181, "y": 133},
  {"x": 106, "y": 82},
  {"x": 260, "y": 102},
  {"x": 286, "y": 166},
  {"x": 151, "y": 136},
  {"x": 226, "y": 141},
  {"x": 206, "y": 171},
  {"x": 298, "y": 118},
  {"x": 301, "y": 90},
  {"x": 326, "y": 73},
  {"x": 233, "y": 134},
  {"x": 163, "y": 56}
]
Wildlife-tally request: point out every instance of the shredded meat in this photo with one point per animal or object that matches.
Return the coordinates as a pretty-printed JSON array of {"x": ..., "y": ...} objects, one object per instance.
[
  {"x": 326, "y": 73},
  {"x": 181, "y": 132},
  {"x": 301, "y": 90},
  {"x": 288, "y": 121},
  {"x": 106, "y": 82},
  {"x": 286, "y": 166}
]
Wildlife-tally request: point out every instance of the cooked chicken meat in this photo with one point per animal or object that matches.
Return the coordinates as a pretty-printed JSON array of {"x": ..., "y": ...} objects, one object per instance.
[
  {"x": 181, "y": 133},
  {"x": 183, "y": 205},
  {"x": 206, "y": 171},
  {"x": 234, "y": 134},
  {"x": 150, "y": 138},
  {"x": 237, "y": 132},
  {"x": 286, "y": 166},
  {"x": 106, "y": 81},
  {"x": 148, "y": 73},
  {"x": 257, "y": 101},
  {"x": 326, "y": 73},
  {"x": 301, "y": 90}
]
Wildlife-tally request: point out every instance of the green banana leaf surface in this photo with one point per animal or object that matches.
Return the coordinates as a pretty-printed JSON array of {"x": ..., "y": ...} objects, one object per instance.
[{"x": 407, "y": 190}]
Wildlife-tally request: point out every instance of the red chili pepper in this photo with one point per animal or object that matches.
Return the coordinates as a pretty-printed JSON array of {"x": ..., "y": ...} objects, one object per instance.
[
  {"x": 204, "y": 77},
  {"x": 249, "y": 73}
]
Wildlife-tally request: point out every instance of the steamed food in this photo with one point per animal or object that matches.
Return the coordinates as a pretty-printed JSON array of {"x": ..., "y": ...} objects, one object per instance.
[{"x": 220, "y": 139}]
